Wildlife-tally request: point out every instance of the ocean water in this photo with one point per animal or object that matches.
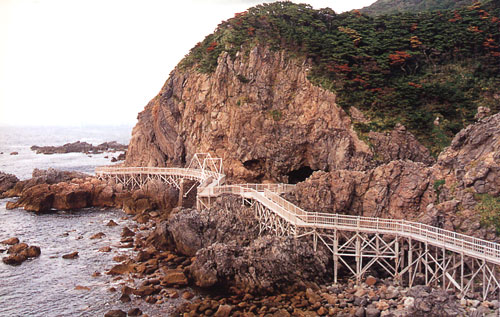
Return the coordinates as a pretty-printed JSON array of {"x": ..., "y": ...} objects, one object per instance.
[{"x": 45, "y": 286}]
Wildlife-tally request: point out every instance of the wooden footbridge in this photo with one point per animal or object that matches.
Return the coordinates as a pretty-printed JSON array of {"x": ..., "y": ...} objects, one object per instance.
[{"x": 410, "y": 252}]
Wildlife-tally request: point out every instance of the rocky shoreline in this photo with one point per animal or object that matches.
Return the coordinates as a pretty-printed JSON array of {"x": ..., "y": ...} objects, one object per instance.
[
  {"x": 80, "y": 147},
  {"x": 215, "y": 261}
]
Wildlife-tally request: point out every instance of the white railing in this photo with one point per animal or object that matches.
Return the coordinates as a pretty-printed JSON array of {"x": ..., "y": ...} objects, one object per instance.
[
  {"x": 186, "y": 172},
  {"x": 269, "y": 196}
]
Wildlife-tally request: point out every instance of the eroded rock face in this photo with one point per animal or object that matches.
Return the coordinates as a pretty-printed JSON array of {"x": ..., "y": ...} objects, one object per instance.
[
  {"x": 258, "y": 112},
  {"x": 396, "y": 190},
  {"x": 399, "y": 144}
]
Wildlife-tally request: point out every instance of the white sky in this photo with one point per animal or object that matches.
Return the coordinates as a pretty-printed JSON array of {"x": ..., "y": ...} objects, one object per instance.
[{"x": 81, "y": 62}]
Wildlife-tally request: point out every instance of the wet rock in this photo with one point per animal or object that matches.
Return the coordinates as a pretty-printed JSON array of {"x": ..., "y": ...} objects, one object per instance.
[
  {"x": 17, "y": 248},
  {"x": 98, "y": 235},
  {"x": 126, "y": 232},
  {"x": 223, "y": 311},
  {"x": 125, "y": 298},
  {"x": 15, "y": 259},
  {"x": 115, "y": 313},
  {"x": 174, "y": 277},
  {"x": 187, "y": 295},
  {"x": 120, "y": 269},
  {"x": 111, "y": 223},
  {"x": 32, "y": 251},
  {"x": 82, "y": 288},
  {"x": 7, "y": 181},
  {"x": 134, "y": 312},
  {"x": 144, "y": 291},
  {"x": 105, "y": 249},
  {"x": 14, "y": 153},
  {"x": 10, "y": 241},
  {"x": 72, "y": 255}
]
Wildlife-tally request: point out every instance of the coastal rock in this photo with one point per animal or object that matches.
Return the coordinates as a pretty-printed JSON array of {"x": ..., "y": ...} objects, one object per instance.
[
  {"x": 399, "y": 144},
  {"x": 7, "y": 181},
  {"x": 72, "y": 255},
  {"x": 433, "y": 302},
  {"x": 398, "y": 190},
  {"x": 240, "y": 121},
  {"x": 267, "y": 264},
  {"x": 10, "y": 241},
  {"x": 115, "y": 313},
  {"x": 192, "y": 230},
  {"x": 80, "y": 147},
  {"x": 119, "y": 269},
  {"x": 20, "y": 252},
  {"x": 174, "y": 277},
  {"x": 14, "y": 153}
]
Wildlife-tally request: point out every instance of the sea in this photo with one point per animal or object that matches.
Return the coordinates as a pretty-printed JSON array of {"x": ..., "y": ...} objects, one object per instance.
[{"x": 49, "y": 285}]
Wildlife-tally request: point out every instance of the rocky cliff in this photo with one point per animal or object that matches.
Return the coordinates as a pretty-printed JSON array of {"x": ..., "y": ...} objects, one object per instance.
[
  {"x": 259, "y": 112},
  {"x": 459, "y": 192}
]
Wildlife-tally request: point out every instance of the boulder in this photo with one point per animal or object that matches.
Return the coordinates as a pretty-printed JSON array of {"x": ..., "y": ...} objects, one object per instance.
[
  {"x": 72, "y": 255},
  {"x": 10, "y": 241},
  {"x": 174, "y": 277},
  {"x": 7, "y": 181}
]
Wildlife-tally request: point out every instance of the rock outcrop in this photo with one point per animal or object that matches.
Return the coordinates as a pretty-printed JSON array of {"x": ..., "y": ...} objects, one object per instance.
[
  {"x": 397, "y": 190},
  {"x": 61, "y": 190},
  {"x": 19, "y": 252},
  {"x": 80, "y": 147},
  {"x": 268, "y": 264},
  {"x": 399, "y": 144},
  {"x": 7, "y": 181},
  {"x": 258, "y": 112}
]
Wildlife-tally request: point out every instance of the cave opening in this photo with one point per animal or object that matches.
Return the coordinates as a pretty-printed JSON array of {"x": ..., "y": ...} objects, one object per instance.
[{"x": 299, "y": 175}]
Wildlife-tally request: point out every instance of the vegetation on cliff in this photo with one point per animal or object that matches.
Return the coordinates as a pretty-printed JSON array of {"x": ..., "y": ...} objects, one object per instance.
[
  {"x": 394, "y": 6},
  {"x": 408, "y": 68}
]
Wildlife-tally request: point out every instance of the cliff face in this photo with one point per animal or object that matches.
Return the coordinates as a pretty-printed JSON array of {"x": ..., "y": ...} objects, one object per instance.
[
  {"x": 446, "y": 194},
  {"x": 258, "y": 112}
]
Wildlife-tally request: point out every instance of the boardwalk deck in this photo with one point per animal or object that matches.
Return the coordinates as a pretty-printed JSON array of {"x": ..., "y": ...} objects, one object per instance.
[{"x": 402, "y": 248}]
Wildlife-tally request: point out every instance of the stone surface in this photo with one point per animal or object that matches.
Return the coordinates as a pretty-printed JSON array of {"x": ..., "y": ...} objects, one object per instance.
[
  {"x": 72, "y": 255},
  {"x": 239, "y": 121},
  {"x": 7, "y": 181},
  {"x": 399, "y": 144}
]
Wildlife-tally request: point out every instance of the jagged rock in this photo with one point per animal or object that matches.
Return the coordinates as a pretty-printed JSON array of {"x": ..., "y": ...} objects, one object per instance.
[
  {"x": 223, "y": 311},
  {"x": 134, "y": 312},
  {"x": 126, "y": 232},
  {"x": 433, "y": 302},
  {"x": 7, "y": 181},
  {"x": 17, "y": 248},
  {"x": 266, "y": 265},
  {"x": 399, "y": 144},
  {"x": 191, "y": 229},
  {"x": 20, "y": 252},
  {"x": 243, "y": 121},
  {"x": 399, "y": 189},
  {"x": 111, "y": 223}
]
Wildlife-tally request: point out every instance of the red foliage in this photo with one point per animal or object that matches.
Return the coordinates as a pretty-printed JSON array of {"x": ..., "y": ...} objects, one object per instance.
[
  {"x": 212, "y": 46},
  {"x": 474, "y": 29},
  {"x": 398, "y": 58},
  {"x": 456, "y": 17},
  {"x": 414, "y": 85},
  {"x": 413, "y": 27},
  {"x": 240, "y": 14},
  {"x": 344, "y": 68},
  {"x": 356, "y": 12},
  {"x": 251, "y": 31},
  {"x": 494, "y": 20}
]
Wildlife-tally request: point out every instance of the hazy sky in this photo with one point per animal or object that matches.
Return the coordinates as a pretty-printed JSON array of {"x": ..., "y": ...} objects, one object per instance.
[{"x": 78, "y": 62}]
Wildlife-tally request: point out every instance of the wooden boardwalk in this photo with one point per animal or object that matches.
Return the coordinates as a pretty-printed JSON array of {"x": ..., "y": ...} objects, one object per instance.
[{"x": 408, "y": 251}]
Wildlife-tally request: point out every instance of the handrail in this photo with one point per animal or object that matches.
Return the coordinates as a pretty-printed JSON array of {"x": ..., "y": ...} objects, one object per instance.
[{"x": 269, "y": 196}]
